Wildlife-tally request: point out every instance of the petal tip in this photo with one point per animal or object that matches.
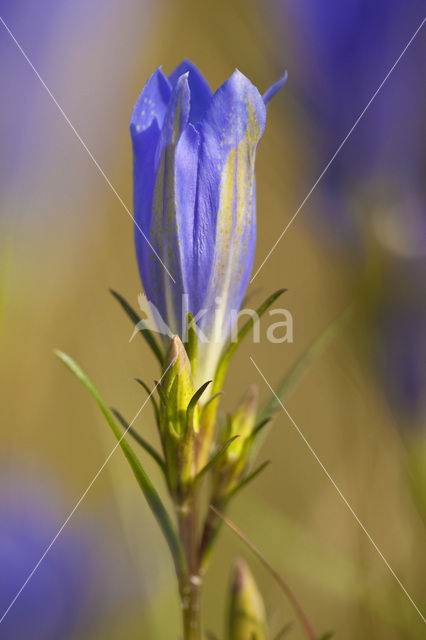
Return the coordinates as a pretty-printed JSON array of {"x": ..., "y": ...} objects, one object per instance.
[{"x": 274, "y": 88}]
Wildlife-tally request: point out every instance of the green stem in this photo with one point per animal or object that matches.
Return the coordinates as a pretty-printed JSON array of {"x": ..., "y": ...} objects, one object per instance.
[{"x": 190, "y": 587}]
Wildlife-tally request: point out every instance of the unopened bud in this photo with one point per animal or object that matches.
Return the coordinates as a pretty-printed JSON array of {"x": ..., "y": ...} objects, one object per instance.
[{"x": 247, "y": 617}]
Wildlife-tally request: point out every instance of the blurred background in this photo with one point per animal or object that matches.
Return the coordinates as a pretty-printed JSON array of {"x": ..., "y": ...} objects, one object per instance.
[{"x": 361, "y": 236}]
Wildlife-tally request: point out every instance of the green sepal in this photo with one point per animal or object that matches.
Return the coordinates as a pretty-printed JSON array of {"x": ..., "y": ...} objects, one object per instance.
[
  {"x": 229, "y": 352},
  {"x": 142, "y": 478},
  {"x": 152, "y": 399},
  {"x": 141, "y": 441},
  {"x": 190, "y": 411},
  {"x": 258, "y": 428},
  {"x": 214, "y": 458},
  {"x": 144, "y": 331},
  {"x": 178, "y": 385},
  {"x": 245, "y": 481}
]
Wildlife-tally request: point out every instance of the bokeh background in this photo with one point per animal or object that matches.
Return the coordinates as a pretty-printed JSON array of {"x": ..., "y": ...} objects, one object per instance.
[{"x": 360, "y": 237}]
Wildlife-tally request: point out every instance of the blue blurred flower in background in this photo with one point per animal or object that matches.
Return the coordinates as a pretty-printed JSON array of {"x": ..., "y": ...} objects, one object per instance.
[
  {"x": 194, "y": 198},
  {"x": 372, "y": 198},
  {"x": 57, "y": 598}
]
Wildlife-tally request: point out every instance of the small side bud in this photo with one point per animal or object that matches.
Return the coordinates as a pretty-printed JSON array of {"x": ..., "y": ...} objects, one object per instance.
[{"x": 247, "y": 617}]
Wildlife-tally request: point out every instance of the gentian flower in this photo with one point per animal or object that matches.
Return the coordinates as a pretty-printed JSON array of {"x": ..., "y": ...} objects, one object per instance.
[{"x": 194, "y": 199}]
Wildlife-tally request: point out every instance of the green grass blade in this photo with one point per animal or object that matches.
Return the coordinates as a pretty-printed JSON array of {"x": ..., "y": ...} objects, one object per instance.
[
  {"x": 141, "y": 441},
  {"x": 227, "y": 355},
  {"x": 145, "y": 332},
  {"x": 315, "y": 349},
  {"x": 143, "y": 480}
]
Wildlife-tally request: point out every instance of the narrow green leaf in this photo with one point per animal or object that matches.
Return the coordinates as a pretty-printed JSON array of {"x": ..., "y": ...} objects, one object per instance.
[
  {"x": 315, "y": 349},
  {"x": 193, "y": 403},
  {"x": 248, "y": 479},
  {"x": 228, "y": 353},
  {"x": 197, "y": 395},
  {"x": 144, "y": 331},
  {"x": 162, "y": 394},
  {"x": 141, "y": 441},
  {"x": 258, "y": 428},
  {"x": 327, "y": 635},
  {"x": 214, "y": 459},
  {"x": 143, "y": 480},
  {"x": 151, "y": 397}
]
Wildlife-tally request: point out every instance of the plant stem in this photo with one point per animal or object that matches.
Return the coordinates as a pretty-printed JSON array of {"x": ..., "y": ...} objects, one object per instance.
[
  {"x": 191, "y": 583},
  {"x": 191, "y": 599}
]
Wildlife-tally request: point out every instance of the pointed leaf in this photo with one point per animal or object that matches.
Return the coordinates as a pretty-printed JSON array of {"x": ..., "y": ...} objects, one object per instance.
[
  {"x": 226, "y": 356},
  {"x": 193, "y": 403},
  {"x": 248, "y": 479},
  {"x": 141, "y": 441},
  {"x": 214, "y": 459},
  {"x": 315, "y": 349},
  {"x": 144, "y": 331},
  {"x": 151, "y": 397},
  {"x": 143, "y": 480},
  {"x": 258, "y": 428}
]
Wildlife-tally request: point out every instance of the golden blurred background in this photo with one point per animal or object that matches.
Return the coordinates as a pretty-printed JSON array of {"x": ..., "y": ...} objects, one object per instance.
[{"x": 66, "y": 238}]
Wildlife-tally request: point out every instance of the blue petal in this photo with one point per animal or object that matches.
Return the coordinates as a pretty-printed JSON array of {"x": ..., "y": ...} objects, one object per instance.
[
  {"x": 274, "y": 88},
  {"x": 145, "y": 125},
  {"x": 151, "y": 104},
  {"x": 224, "y": 224},
  {"x": 200, "y": 91},
  {"x": 164, "y": 226}
]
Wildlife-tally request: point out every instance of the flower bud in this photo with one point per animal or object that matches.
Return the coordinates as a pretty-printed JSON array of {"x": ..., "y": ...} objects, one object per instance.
[
  {"x": 247, "y": 618},
  {"x": 177, "y": 385},
  {"x": 195, "y": 201}
]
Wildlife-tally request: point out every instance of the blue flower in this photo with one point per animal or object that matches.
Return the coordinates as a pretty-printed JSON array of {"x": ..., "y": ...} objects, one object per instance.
[{"x": 194, "y": 197}]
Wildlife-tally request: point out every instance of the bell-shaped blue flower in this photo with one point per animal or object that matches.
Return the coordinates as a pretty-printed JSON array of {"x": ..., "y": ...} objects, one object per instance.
[{"x": 194, "y": 198}]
